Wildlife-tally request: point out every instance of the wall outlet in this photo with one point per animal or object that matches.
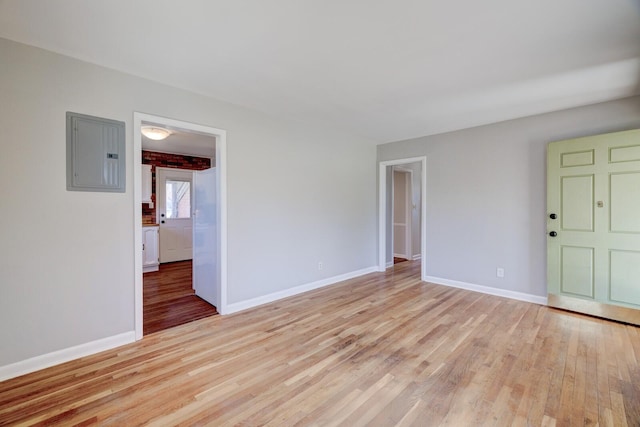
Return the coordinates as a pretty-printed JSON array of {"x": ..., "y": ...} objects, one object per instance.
[
  {"x": 320, "y": 265},
  {"x": 500, "y": 272}
]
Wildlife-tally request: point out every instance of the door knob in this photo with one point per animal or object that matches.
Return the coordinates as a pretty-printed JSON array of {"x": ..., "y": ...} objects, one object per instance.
[
  {"x": 553, "y": 234},
  {"x": 553, "y": 216}
]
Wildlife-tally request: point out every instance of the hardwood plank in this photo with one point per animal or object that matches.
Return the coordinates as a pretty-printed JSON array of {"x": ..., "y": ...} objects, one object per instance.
[
  {"x": 169, "y": 299},
  {"x": 382, "y": 349}
]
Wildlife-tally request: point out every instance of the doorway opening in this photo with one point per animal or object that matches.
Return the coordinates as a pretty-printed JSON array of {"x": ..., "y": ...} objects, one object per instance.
[
  {"x": 169, "y": 295},
  {"x": 402, "y": 212},
  {"x": 184, "y": 277}
]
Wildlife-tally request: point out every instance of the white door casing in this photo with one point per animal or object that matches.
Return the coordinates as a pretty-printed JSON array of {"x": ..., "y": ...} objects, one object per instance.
[
  {"x": 221, "y": 210},
  {"x": 206, "y": 272},
  {"x": 382, "y": 211},
  {"x": 176, "y": 222},
  {"x": 593, "y": 225}
]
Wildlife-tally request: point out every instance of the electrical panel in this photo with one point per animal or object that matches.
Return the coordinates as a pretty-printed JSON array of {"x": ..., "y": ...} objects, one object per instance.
[{"x": 95, "y": 154}]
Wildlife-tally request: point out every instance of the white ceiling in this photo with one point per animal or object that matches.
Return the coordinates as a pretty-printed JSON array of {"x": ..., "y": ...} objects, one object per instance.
[
  {"x": 385, "y": 69},
  {"x": 181, "y": 141}
]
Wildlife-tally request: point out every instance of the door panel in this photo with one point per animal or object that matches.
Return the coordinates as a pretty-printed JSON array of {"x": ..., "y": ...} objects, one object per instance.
[
  {"x": 577, "y": 203},
  {"x": 577, "y": 270},
  {"x": 206, "y": 272},
  {"x": 624, "y": 154},
  {"x": 624, "y": 191},
  {"x": 593, "y": 225},
  {"x": 625, "y": 271},
  {"x": 581, "y": 158}
]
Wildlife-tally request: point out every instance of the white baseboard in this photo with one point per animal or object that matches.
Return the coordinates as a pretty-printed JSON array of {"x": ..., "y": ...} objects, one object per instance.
[
  {"x": 254, "y": 302},
  {"x": 57, "y": 357},
  {"x": 389, "y": 264},
  {"x": 488, "y": 290},
  {"x": 417, "y": 257}
]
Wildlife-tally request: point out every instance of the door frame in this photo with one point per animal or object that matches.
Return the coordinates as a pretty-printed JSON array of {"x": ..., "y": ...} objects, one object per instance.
[
  {"x": 408, "y": 211},
  {"x": 382, "y": 211},
  {"x": 221, "y": 163}
]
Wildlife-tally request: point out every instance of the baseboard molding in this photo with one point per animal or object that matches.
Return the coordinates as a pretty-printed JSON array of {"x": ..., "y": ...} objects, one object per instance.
[
  {"x": 265, "y": 299},
  {"x": 417, "y": 257},
  {"x": 389, "y": 264},
  {"x": 488, "y": 290},
  {"x": 65, "y": 355}
]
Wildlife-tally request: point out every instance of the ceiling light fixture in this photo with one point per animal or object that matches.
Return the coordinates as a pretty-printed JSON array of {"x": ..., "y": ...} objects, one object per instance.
[{"x": 155, "y": 133}]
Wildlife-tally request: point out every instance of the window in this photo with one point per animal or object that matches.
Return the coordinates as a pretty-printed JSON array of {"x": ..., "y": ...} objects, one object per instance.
[{"x": 178, "y": 202}]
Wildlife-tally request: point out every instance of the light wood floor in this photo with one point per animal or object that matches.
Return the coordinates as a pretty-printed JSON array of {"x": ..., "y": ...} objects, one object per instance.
[
  {"x": 169, "y": 299},
  {"x": 381, "y": 350}
]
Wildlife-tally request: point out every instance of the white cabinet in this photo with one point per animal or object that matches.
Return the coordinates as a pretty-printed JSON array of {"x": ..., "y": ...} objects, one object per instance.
[
  {"x": 146, "y": 184},
  {"x": 150, "y": 252}
]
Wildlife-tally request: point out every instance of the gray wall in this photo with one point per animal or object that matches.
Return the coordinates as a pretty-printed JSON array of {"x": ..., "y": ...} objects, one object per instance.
[
  {"x": 486, "y": 192},
  {"x": 295, "y": 197}
]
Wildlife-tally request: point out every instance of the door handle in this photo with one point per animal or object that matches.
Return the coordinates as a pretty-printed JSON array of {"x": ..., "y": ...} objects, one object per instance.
[
  {"x": 553, "y": 234},
  {"x": 553, "y": 216}
]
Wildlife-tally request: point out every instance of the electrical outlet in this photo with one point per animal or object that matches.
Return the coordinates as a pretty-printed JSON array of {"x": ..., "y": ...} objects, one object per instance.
[
  {"x": 320, "y": 265},
  {"x": 500, "y": 272}
]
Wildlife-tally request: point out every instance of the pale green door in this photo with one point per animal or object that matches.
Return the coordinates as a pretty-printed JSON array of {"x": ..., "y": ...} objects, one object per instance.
[{"x": 593, "y": 225}]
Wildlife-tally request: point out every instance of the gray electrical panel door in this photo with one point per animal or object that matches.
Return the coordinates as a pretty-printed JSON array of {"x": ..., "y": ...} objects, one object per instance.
[{"x": 95, "y": 154}]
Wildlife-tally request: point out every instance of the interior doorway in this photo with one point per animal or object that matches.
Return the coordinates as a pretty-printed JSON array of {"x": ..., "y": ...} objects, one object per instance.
[
  {"x": 170, "y": 297},
  {"x": 180, "y": 197},
  {"x": 386, "y": 223},
  {"x": 402, "y": 214}
]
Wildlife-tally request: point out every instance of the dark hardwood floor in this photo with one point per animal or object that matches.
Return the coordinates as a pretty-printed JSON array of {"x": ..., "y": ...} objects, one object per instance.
[{"x": 169, "y": 299}]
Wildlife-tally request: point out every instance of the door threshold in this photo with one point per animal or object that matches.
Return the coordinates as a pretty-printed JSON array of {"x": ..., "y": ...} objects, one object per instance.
[{"x": 597, "y": 309}]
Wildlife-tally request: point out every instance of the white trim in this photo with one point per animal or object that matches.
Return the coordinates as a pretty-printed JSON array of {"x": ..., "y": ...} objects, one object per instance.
[
  {"x": 389, "y": 264},
  {"x": 221, "y": 164},
  {"x": 264, "y": 299},
  {"x": 61, "y": 356},
  {"x": 535, "y": 299},
  {"x": 382, "y": 215},
  {"x": 416, "y": 257}
]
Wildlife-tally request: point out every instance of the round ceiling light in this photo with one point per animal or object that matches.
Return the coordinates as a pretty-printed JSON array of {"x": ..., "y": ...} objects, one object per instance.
[{"x": 155, "y": 133}]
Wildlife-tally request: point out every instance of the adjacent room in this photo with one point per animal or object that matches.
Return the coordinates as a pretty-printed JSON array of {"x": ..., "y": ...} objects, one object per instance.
[
  {"x": 171, "y": 161},
  {"x": 320, "y": 213}
]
